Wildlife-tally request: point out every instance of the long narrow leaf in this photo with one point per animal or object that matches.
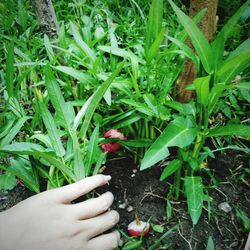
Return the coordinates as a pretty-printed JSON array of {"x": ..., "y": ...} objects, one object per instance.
[
  {"x": 170, "y": 169},
  {"x": 56, "y": 97},
  {"x": 233, "y": 66},
  {"x": 26, "y": 148},
  {"x": 52, "y": 130},
  {"x": 154, "y": 23},
  {"x": 195, "y": 196},
  {"x": 229, "y": 130},
  {"x": 79, "y": 170},
  {"x": 77, "y": 74},
  {"x": 97, "y": 96},
  {"x": 82, "y": 45},
  {"x": 199, "y": 41},
  {"x": 10, "y": 70},
  {"x": 14, "y": 130}
]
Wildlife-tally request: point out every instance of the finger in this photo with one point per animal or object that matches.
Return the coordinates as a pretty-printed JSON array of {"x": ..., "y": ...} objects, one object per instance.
[
  {"x": 73, "y": 191},
  {"x": 92, "y": 207},
  {"x": 98, "y": 225},
  {"x": 105, "y": 241}
]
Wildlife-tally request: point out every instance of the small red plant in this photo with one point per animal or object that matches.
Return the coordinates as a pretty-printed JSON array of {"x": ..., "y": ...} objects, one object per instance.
[
  {"x": 138, "y": 227},
  {"x": 115, "y": 146}
]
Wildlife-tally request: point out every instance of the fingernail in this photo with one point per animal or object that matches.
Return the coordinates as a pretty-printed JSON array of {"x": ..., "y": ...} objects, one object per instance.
[{"x": 107, "y": 177}]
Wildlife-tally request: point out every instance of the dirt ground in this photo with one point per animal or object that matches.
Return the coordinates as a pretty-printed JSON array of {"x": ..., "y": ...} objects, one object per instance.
[{"x": 144, "y": 194}]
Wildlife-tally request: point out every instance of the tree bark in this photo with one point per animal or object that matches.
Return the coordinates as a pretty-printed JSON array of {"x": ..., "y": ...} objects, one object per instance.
[
  {"x": 46, "y": 16},
  {"x": 208, "y": 27}
]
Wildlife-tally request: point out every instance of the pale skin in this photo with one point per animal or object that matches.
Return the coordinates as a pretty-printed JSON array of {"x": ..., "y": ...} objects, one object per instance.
[{"x": 49, "y": 221}]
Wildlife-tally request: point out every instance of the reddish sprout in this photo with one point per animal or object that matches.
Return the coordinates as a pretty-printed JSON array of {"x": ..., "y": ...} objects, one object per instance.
[{"x": 113, "y": 146}]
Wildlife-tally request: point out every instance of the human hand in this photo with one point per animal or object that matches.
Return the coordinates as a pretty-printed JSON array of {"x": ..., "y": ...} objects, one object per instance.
[{"x": 49, "y": 221}]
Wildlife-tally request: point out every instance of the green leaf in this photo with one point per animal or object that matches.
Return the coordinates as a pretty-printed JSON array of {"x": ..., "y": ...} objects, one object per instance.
[
  {"x": 177, "y": 133},
  {"x": 183, "y": 108},
  {"x": 26, "y": 148},
  {"x": 156, "y": 45},
  {"x": 242, "y": 48},
  {"x": 188, "y": 51},
  {"x": 210, "y": 244},
  {"x": 81, "y": 113},
  {"x": 233, "y": 66},
  {"x": 243, "y": 216},
  {"x": 42, "y": 138},
  {"x": 199, "y": 41},
  {"x": 49, "y": 49},
  {"x": 202, "y": 89},
  {"x": 139, "y": 106},
  {"x": 5, "y": 129},
  {"x": 97, "y": 96},
  {"x": 170, "y": 168},
  {"x": 121, "y": 53},
  {"x": 157, "y": 228},
  {"x": 195, "y": 196},
  {"x": 242, "y": 85},
  {"x": 52, "y": 130},
  {"x": 7, "y": 181},
  {"x": 230, "y": 130},
  {"x": 79, "y": 170},
  {"x": 22, "y": 168},
  {"x": 132, "y": 245},
  {"x": 56, "y": 97},
  {"x": 157, "y": 242},
  {"x": 14, "y": 130},
  {"x": 10, "y": 70},
  {"x": 82, "y": 45},
  {"x": 214, "y": 96},
  {"x": 154, "y": 25},
  {"x": 128, "y": 121},
  {"x": 77, "y": 74},
  {"x": 218, "y": 50},
  {"x": 152, "y": 103}
]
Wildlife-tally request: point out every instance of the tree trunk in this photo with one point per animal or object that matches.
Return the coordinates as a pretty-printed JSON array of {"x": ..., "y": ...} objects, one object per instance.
[
  {"x": 46, "y": 16},
  {"x": 208, "y": 27}
]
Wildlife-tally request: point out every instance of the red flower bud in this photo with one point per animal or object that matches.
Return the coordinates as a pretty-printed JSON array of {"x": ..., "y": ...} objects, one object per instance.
[{"x": 115, "y": 146}]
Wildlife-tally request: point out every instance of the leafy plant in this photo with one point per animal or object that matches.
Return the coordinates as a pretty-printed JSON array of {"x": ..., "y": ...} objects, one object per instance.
[{"x": 190, "y": 130}]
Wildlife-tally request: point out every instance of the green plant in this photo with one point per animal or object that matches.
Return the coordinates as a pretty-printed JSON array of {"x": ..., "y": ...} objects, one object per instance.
[
  {"x": 191, "y": 127},
  {"x": 57, "y": 161}
]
